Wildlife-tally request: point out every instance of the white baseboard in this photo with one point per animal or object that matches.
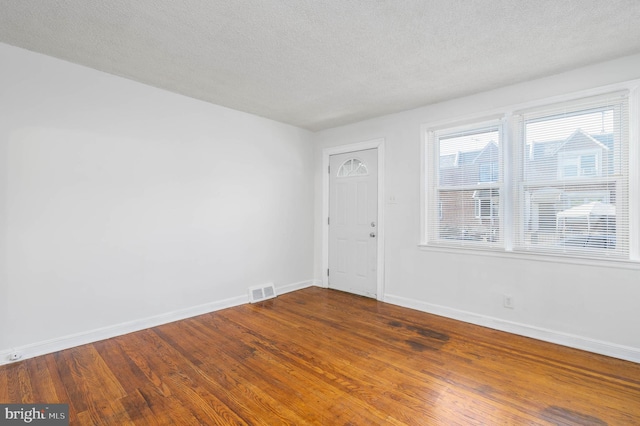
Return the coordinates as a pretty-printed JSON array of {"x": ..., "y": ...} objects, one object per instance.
[
  {"x": 573, "y": 341},
  {"x": 295, "y": 286},
  {"x": 83, "y": 338},
  {"x": 319, "y": 283}
]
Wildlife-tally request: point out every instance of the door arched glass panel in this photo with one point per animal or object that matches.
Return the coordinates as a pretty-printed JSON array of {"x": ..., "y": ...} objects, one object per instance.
[{"x": 352, "y": 167}]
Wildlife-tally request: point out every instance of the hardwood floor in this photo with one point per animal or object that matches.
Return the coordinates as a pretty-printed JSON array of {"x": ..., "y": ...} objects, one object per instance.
[{"x": 322, "y": 357}]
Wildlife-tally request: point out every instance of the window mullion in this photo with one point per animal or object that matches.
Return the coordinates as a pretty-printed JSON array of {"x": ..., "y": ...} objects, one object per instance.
[
  {"x": 634, "y": 175},
  {"x": 508, "y": 176}
]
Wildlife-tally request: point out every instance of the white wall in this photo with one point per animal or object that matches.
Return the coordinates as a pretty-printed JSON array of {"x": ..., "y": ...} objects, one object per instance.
[
  {"x": 593, "y": 307},
  {"x": 120, "y": 202}
]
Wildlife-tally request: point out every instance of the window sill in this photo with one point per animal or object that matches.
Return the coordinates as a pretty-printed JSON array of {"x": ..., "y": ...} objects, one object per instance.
[{"x": 520, "y": 255}]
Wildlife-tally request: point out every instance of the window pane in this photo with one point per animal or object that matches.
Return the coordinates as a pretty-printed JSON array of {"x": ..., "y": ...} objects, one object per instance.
[
  {"x": 574, "y": 181},
  {"x": 468, "y": 159},
  {"x": 572, "y": 145},
  {"x": 489, "y": 172},
  {"x": 572, "y": 216},
  {"x": 465, "y": 218},
  {"x": 466, "y": 189},
  {"x": 353, "y": 167}
]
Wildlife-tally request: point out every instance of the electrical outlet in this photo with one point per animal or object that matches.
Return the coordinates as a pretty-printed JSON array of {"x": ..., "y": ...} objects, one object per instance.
[
  {"x": 14, "y": 356},
  {"x": 508, "y": 301}
]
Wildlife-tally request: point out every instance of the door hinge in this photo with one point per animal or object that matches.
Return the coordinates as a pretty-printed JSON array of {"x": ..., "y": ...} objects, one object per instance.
[
  {"x": 329, "y": 169},
  {"x": 328, "y": 221},
  {"x": 327, "y": 271}
]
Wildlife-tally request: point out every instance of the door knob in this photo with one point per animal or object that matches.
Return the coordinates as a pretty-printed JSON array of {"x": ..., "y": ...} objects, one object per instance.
[{"x": 372, "y": 235}]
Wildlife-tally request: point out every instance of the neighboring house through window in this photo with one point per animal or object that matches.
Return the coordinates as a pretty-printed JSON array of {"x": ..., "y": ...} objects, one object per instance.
[
  {"x": 574, "y": 179},
  {"x": 466, "y": 184},
  {"x": 489, "y": 171},
  {"x": 487, "y": 202}
]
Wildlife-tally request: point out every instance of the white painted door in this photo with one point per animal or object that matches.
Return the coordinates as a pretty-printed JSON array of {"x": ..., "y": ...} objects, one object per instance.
[{"x": 353, "y": 222}]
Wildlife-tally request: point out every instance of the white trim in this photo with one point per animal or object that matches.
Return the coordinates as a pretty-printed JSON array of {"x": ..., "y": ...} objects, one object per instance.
[
  {"x": 424, "y": 197},
  {"x": 634, "y": 173},
  {"x": 326, "y": 153},
  {"x": 507, "y": 173},
  {"x": 53, "y": 345},
  {"x": 474, "y": 121},
  {"x": 295, "y": 286},
  {"x": 565, "y": 339},
  {"x": 537, "y": 257}
]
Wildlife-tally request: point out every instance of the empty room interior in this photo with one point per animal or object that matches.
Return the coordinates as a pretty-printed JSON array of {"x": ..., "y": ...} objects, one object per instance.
[{"x": 420, "y": 212}]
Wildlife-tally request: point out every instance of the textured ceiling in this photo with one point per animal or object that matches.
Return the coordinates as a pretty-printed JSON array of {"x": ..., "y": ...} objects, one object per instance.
[{"x": 319, "y": 64}]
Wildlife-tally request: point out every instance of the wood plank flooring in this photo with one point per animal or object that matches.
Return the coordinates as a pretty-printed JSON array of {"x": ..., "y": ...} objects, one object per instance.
[{"x": 322, "y": 357}]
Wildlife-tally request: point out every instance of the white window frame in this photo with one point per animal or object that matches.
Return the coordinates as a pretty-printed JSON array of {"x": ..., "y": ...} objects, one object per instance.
[
  {"x": 510, "y": 155},
  {"x": 433, "y": 204}
]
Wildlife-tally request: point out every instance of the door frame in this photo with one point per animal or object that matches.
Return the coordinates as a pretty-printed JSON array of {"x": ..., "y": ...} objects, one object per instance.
[{"x": 342, "y": 149}]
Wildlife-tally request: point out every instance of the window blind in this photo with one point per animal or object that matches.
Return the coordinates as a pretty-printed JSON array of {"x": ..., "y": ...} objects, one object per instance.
[
  {"x": 464, "y": 186},
  {"x": 571, "y": 185}
]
